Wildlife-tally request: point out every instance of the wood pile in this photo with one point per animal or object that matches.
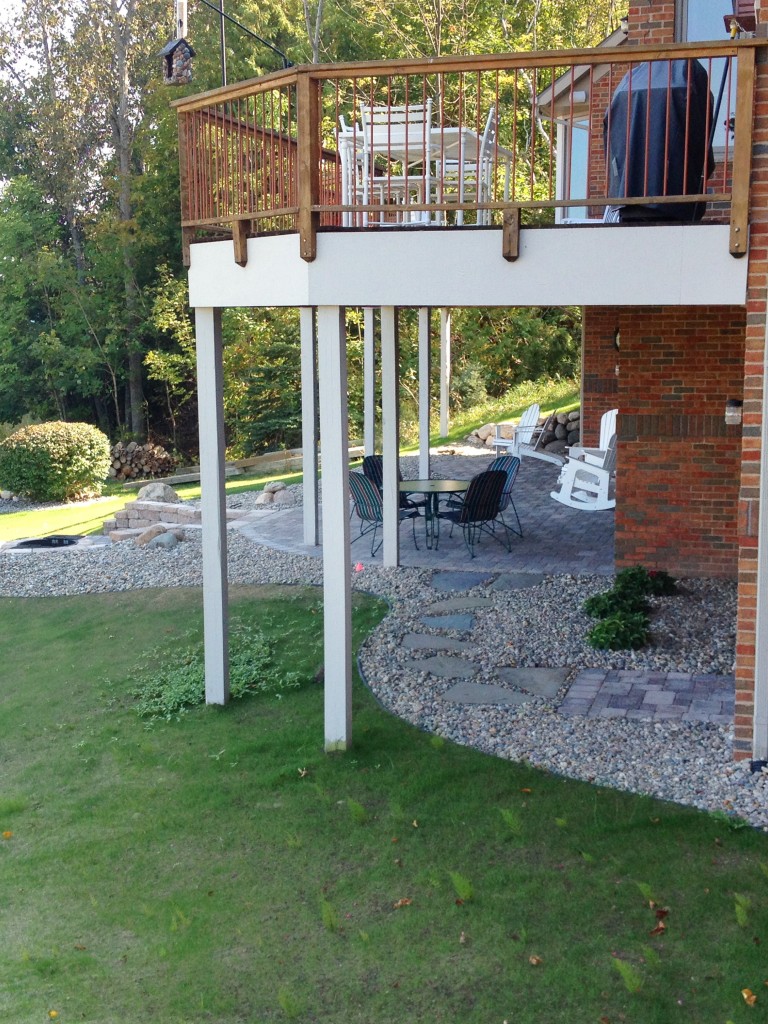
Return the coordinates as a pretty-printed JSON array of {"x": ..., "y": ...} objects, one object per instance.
[{"x": 140, "y": 460}]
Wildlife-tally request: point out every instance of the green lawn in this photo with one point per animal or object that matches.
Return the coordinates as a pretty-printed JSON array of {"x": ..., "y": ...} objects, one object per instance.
[{"x": 222, "y": 868}]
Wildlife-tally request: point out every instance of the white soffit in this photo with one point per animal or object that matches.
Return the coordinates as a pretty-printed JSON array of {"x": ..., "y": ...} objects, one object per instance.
[{"x": 595, "y": 265}]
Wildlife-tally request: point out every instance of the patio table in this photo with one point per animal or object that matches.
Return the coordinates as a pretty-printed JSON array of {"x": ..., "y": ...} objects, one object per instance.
[
  {"x": 432, "y": 489},
  {"x": 442, "y": 142}
]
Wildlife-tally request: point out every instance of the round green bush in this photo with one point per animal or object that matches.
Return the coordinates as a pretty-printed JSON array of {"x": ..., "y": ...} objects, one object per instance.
[{"x": 55, "y": 461}]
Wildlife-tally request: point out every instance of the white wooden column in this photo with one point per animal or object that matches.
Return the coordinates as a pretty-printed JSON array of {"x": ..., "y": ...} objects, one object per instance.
[
  {"x": 445, "y": 370},
  {"x": 309, "y": 434},
  {"x": 425, "y": 365},
  {"x": 390, "y": 435},
  {"x": 210, "y": 398},
  {"x": 369, "y": 381},
  {"x": 337, "y": 588}
]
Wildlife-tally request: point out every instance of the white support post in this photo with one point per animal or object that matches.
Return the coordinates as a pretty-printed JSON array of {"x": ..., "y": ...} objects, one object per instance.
[
  {"x": 210, "y": 397},
  {"x": 425, "y": 366},
  {"x": 369, "y": 381},
  {"x": 337, "y": 587},
  {"x": 309, "y": 434},
  {"x": 390, "y": 431},
  {"x": 445, "y": 371}
]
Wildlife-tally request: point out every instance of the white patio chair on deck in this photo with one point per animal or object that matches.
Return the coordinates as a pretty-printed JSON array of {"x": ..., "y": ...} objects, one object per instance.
[
  {"x": 469, "y": 179},
  {"x": 400, "y": 135}
]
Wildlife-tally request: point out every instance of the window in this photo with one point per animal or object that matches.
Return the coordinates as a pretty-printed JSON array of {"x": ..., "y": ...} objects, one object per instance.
[
  {"x": 573, "y": 157},
  {"x": 702, "y": 21}
]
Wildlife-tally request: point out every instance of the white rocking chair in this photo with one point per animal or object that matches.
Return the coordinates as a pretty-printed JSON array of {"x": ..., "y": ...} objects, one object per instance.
[
  {"x": 589, "y": 486},
  {"x": 595, "y": 456}
]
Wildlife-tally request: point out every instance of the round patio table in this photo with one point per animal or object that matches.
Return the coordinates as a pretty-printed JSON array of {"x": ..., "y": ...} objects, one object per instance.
[{"x": 432, "y": 489}]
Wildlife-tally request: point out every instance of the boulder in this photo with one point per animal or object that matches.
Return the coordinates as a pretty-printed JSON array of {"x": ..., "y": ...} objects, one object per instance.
[
  {"x": 158, "y": 492},
  {"x": 487, "y": 430},
  {"x": 149, "y": 534},
  {"x": 265, "y": 498},
  {"x": 274, "y": 487},
  {"x": 6, "y": 495},
  {"x": 165, "y": 540}
]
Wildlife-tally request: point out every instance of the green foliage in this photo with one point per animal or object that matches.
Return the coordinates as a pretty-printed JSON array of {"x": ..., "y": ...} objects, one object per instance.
[
  {"x": 6, "y": 429},
  {"x": 620, "y": 632},
  {"x": 462, "y": 886},
  {"x": 624, "y": 610},
  {"x": 177, "y": 682},
  {"x": 614, "y": 602},
  {"x": 328, "y": 915},
  {"x": 55, "y": 461},
  {"x": 741, "y": 908},
  {"x": 632, "y": 978},
  {"x": 357, "y": 812},
  {"x": 639, "y": 580}
]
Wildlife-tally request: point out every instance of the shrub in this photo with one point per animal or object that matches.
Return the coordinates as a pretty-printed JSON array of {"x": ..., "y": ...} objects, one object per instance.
[
  {"x": 620, "y": 632},
  {"x": 55, "y": 461},
  {"x": 614, "y": 602},
  {"x": 639, "y": 580}
]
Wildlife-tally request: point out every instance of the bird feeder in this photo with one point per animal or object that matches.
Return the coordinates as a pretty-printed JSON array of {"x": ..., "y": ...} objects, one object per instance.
[{"x": 177, "y": 62}]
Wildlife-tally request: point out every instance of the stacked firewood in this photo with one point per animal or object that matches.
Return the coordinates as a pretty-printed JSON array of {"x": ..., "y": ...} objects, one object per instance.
[{"x": 135, "y": 460}]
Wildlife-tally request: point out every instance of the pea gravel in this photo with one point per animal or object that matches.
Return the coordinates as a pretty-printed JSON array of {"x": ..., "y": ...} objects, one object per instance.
[{"x": 686, "y": 762}]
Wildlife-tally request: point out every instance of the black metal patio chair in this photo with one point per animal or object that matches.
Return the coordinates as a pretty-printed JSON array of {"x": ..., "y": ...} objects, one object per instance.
[
  {"x": 479, "y": 509},
  {"x": 368, "y": 506}
]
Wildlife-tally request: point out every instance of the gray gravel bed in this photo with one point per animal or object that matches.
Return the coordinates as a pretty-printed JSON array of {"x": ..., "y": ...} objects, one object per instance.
[{"x": 690, "y": 763}]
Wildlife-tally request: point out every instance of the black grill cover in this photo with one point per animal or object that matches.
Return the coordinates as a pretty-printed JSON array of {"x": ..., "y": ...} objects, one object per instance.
[{"x": 650, "y": 159}]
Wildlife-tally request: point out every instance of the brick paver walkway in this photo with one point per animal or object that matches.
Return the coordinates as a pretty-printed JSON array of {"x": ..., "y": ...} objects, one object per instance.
[{"x": 656, "y": 696}]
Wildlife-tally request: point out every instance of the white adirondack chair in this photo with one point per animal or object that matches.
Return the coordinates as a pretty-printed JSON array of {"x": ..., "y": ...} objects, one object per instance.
[
  {"x": 595, "y": 456},
  {"x": 589, "y": 486},
  {"x": 523, "y": 435},
  {"x": 527, "y": 439}
]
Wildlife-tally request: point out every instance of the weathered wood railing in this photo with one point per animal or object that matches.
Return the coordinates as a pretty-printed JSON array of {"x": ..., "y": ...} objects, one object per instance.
[{"x": 268, "y": 155}]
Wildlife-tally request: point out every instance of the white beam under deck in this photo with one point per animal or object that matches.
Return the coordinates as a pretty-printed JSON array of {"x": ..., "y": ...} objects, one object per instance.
[
  {"x": 593, "y": 266},
  {"x": 309, "y": 432},
  {"x": 337, "y": 587},
  {"x": 390, "y": 435},
  {"x": 210, "y": 396}
]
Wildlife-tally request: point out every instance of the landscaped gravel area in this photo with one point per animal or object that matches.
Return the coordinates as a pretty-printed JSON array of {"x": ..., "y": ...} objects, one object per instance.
[{"x": 692, "y": 632}]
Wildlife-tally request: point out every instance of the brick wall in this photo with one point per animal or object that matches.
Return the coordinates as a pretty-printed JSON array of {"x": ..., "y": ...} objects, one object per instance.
[
  {"x": 678, "y": 463},
  {"x": 651, "y": 22}
]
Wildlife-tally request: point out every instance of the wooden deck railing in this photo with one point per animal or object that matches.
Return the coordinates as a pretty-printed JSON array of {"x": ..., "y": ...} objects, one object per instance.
[{"x": 509, "y": 135}]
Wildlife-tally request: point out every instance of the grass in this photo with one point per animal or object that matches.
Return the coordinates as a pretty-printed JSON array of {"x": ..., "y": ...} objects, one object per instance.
[{"x": 222, "y": 868}]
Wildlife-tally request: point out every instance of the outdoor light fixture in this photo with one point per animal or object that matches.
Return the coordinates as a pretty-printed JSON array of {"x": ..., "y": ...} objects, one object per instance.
[
  {"x": 733, "y": 410},
  {"x": 624, "y": 25}
]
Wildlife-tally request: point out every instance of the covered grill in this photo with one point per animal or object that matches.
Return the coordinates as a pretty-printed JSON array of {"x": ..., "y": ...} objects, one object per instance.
[{"x": 657, "y": 134}]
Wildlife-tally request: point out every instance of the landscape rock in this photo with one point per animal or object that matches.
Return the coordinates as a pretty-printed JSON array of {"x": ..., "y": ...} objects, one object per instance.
[
  {"x": 149, "y": 534},
  {"x": 265, "y": 498},
  {"x": 158, "y": 492},
  {"x": 487, "y": 430},
  {"x": 165, "y": 540},
  {"x": 274, "y": 487}
]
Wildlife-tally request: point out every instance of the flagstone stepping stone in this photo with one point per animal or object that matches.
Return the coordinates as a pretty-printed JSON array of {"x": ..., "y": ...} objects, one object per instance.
[
  {"x": 460, "y": 604},
  {"x": 448, "y": 621},
  {"x": 517, "y": 581},
  {"x": 422, "y": 642},
  {"x": 444, "y": 666},
  {"x": 451, "y": 580},
  {"x": 544, "y": 682},
  {"x": 480, "y": 693}
]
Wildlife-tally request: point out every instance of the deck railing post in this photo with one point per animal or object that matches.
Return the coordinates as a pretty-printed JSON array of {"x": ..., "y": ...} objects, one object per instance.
[
  {"x": 742, "y": 152},
  {"x": 308, "y": 161},
  {"x": 185, "y": 128}
]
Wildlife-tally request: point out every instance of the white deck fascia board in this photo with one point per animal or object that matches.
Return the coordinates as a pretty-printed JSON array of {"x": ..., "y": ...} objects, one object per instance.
[{"x": 615, "y": 265}]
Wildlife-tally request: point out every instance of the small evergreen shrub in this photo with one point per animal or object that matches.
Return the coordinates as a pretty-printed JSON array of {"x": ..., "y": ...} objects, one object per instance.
[
  {"x": 614, "y": 602},
  {"x": 55, "y": 461},
  {"x": 620, "y": 632}
]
